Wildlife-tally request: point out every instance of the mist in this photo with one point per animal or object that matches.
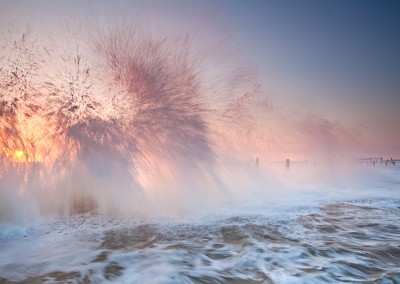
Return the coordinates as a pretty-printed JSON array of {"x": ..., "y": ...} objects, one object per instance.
[{"x": 123, "y": 119}]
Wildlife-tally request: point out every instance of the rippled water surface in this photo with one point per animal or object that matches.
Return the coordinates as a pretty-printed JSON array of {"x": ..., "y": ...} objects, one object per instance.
[{"x": 341, "y": 242}]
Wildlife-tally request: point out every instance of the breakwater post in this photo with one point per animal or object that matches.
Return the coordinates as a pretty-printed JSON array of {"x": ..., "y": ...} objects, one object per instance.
[{"x": 287, "y": 164}]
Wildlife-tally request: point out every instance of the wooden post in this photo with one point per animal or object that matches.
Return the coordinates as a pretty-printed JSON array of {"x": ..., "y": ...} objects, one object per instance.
[{"x": 287, "y": 164}]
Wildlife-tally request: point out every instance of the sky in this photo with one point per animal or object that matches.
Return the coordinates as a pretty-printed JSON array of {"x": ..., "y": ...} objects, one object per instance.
[{"x": 339, "y": 59}]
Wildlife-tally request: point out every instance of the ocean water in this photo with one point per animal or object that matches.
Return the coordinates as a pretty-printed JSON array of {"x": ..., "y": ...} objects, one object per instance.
[{"x": 324, "y": 237}]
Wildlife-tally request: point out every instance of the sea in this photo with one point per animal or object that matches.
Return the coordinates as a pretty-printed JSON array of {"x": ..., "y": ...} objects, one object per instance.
[{"x": 342, "y": 234}]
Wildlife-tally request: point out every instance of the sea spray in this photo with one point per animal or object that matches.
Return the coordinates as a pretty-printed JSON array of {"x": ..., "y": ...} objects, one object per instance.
[{"x": 124, "y": 120}]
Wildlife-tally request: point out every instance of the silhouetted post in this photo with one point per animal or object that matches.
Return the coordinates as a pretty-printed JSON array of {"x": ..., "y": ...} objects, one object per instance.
[
  {"x": 381, "y": 161},
  {"x": 287, "y": 163},
  {"x": 257, "y": 161},
  {"x": 373, "y": 163}
]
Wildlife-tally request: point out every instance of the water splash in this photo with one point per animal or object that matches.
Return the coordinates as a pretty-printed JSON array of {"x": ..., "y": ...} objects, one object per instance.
[{"x": 124, "y": 120}]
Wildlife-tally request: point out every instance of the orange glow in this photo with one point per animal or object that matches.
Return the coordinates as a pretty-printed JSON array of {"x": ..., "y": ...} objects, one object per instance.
[
  {"x": 34, "y": 144},
  {"x": 19, "y": 156}
]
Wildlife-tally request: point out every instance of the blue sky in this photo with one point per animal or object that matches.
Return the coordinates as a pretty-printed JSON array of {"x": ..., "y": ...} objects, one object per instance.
[{"x": 349, "y": 48}]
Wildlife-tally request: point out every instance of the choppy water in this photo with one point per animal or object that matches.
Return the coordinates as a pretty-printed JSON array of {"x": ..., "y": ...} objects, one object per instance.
[{"x": 336, "y": 242}]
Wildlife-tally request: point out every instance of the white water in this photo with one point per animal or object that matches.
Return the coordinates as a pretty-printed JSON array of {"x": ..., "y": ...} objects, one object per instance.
[{"x": 316, "y": 235}]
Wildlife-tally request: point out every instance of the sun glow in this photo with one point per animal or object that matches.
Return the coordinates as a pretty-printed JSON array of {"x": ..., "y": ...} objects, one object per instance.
[{"x": 19, "y": 155}]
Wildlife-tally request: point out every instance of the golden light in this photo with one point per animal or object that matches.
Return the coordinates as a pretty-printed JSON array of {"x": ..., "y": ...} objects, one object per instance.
[
  {"x": 19, "y": 155},
  {"x": 34, "y": 144}
]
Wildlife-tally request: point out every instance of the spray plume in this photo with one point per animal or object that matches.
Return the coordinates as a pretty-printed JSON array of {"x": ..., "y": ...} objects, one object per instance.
[{"x": 124, "y": 121}]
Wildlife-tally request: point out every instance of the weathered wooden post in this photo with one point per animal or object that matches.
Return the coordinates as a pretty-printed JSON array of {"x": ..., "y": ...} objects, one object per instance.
[{"x": 287, "y": 164}]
